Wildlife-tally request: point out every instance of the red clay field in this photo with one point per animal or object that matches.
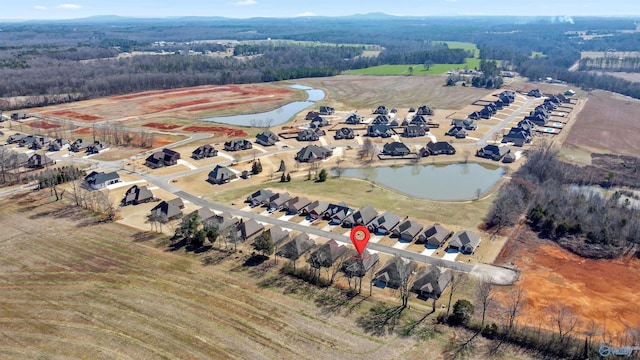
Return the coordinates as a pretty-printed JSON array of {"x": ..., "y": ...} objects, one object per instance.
[
  {"x": 604, "y": 291},
  {"x": 234, "y": 98},
  {"x": 608, "y": 122}
]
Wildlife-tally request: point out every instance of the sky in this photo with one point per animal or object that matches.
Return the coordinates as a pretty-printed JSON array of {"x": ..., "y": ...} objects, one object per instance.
[{"x": 52, "y": 9}]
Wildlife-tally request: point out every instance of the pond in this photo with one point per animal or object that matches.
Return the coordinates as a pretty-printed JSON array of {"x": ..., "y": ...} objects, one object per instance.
[
  {"x": 274, "y": 117},
  {"x": 435, "y": 182}
]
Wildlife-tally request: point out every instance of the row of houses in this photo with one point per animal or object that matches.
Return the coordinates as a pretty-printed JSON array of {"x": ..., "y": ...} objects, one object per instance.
[
  {"x": 505, "y": 98},
  {"x": 386, "y": 223},
  {"x": 13, "y": 159}
]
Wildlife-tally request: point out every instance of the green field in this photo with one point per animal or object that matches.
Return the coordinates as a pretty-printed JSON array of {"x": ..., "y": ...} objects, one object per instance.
[
  {"x": 537, "y": 54},
  {"x": 418, "y": 69}
]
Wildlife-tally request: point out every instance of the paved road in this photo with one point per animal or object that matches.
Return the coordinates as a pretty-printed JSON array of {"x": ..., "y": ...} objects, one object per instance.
[{"x": 498, "y": 127}]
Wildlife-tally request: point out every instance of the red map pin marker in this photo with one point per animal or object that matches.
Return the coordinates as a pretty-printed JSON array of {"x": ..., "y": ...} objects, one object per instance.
[{"x": 360, "y": 237}]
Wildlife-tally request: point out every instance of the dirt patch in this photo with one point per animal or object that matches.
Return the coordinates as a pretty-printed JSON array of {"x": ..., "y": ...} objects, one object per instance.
[
  {"x": 75, "y": 115},
  {"x": 82, "y": 131},
  {"x": 39, "y": 124},
  {"x": 161, "y": 126},
  {"x": 608, "y": 122},
  {"x": 599, "y": 290},
  {"x": 229, "y": 104},
  {"x": 176, "y": 105},
  {"x": 223, "y": 131}
]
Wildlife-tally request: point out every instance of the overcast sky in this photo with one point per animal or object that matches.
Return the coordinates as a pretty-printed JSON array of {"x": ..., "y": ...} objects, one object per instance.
[{"x": 48, "y": 9}]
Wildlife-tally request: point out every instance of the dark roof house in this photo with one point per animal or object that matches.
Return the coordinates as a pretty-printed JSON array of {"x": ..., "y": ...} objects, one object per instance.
[
  {"x": 315, "y": 209},
  {"x": 221, "y": 175},
  {"x": 412, "y": 131},
  {"x": 79, "y": 145},
  {"x": 337, "y": 212},
  {"x": 98, "y": 146},
  {"x": 39, "y": 161},
  {"x": 353, "y": 119},
  {"x": 248, "y": 229},
  {"x": 396, "y": 148},
  {"x": 136, "y": 195},
  {"x": 326, "y": 254},
  {"x": 309, "y": 135},
  {"x": 385, "y": 223},
  {"x": 344, "y": 133},
  {"x": 380, "y": 130},
  {"x": 389, "y": 275},
  {"x": 327, "y": 110},
  {"x": 165, "y": 157},
  {"x": 313, "y": 153},
  {"x": 168, "y": 209},
  {"x": 424, "y": 110},
  {"x": 259, "y": 197},
  {"x": 358, "y": 266},
  {"x": 296, "y": 204},
  {"x": 493, "y": 152},
  {"x": 407, "y": 230},
  {"x": 440, "y": 147},
  {"x": 204, "y": 151},
  {"x": 280, "y": 201},
  {"x": 237, "y": 145},
  {"x": 267, "y": 138},
  {"x": 361, "y": 217},
  {"x": 293, "y": 249},
  {"x": 465, "y": 241},
  {"x": 434, "y": 236},
  {"x": 432, "y": 283},
  {"x": 58, "y": 144}
]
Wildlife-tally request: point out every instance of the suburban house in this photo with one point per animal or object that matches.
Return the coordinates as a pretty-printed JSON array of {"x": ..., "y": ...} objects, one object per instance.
[
  {"x": 79, "y": 145},
  {"x": 96, "y": 147},
  {"x": 493, "y": 152},
  {"x": 204, "y": 151},
  {"x": 319, "y": 121},
  {"x": 19, "y": 116},
  {"x": 316, "y": 209},
  {"x": 223, "y": 221},
  {"x": 458, "y": 132},
  {"x": 382, "y": 110},
  {"x": 249, "y": 229},
  {"x": 379, "y": 130},
  {"x": 100, "y": 180},
  {"x": 267, "y": 138},
  {"x": 309, "y": 135},
  {"x": 434, "y": 236},
  {"x": 509, "y": 158},
  {"x": 137, "y": 195},
  {"x": 37, "y": 161},
  {"x": 395, "y": 148},
  {"x": 337, "y": 212},
  {"x": 353, "y": 119},
  {"x": 164, "y": 157},
  {"x": 440, "y": 147},
  {"x": 15, "y": 138},
  {"x": 26, "y": 141},
  {"x": 535, "y": 93},
  {"x": 311, "y": 114},
  {"x": 297, "y": 246},
  {"x": 381, "y": 120},
  {"x": 296, "y": 204},
  {"x": 58, "y": 144},
  {"x": 359, "y": 266},
  {"x": 468, "y": 124},
  {"x": 39, "y": 142},
  {"x": 259, "y": 197},
  {"x": 432, "y": 283},
  {"x": 171, "y": 209},
  {"x": 385, "y": 223},
  {"x": 344, "y": 133},
  {"x": 412, "y": 131},
  {"x": 361, "y": 217},
  {"x": 204, "y": 213},
  {"x": 389, "y": 274},
  {"x": 221, "y": 175},
  {"x": 424, "y": 110},
  {"x": 277, "y": 234},
  {"x": 326, "y": 254},
  {"x": 474, "y": 115},
  {"x": 465, "y": 241},
  {"x": 313, "y": 153},
  {"x": 518, "y": 136},
  {"x": 237, "y": 145},
  {"x": 327, "y": 110},
  {"x": 508, "y": 95},
  {"x": 407, "y": 230},
  {"x": 279, "y": 201}
]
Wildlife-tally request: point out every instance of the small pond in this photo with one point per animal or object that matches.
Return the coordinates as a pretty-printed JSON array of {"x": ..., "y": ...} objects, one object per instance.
[
  {"x": 435, "y": 182},
  {"x": 274, "y": 117}
]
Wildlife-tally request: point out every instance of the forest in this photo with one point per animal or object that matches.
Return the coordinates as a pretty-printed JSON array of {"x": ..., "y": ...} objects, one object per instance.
[{"x": 50, "y": 62}]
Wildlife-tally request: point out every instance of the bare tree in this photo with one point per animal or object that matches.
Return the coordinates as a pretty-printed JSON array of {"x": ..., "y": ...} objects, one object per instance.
[
  {"x": 456, "y": 281},
  {"x": 485, "y": 297},
  {"x": 563, "y": 319},
  {"x": 77, "y": 191},
  {"x": 406, "y": 275},
  {"x": 514, "y": 299}
]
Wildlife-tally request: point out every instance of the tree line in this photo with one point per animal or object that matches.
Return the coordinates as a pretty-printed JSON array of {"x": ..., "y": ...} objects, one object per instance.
[{"x": 587, "y": 223}]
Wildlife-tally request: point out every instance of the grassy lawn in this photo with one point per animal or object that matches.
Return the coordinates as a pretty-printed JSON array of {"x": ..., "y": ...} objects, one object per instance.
[
  {"x": 537, "y": 54},
  {"x": 464, "y": 46},
  {"x": 357, "y": 193},
  {"x": 418, "y": 69}
]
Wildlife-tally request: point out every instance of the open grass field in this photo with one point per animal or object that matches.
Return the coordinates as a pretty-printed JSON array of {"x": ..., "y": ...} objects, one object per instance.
[
  {"x": 369, "y": 91},
  {"x": 607, "y": 123},
  {"x": 464, "y": 46},
  {"x": 418, "y": 69},
  {"x": 75, "y": 287}
]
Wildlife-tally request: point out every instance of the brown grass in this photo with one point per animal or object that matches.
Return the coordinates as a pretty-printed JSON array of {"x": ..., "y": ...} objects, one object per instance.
[
  {"x": 116, "y": 293},
  {"x": 607, "y": 123}
]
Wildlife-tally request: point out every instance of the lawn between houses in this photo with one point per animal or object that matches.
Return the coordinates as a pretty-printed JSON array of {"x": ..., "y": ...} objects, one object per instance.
[{"x": 116, "y": 292}]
